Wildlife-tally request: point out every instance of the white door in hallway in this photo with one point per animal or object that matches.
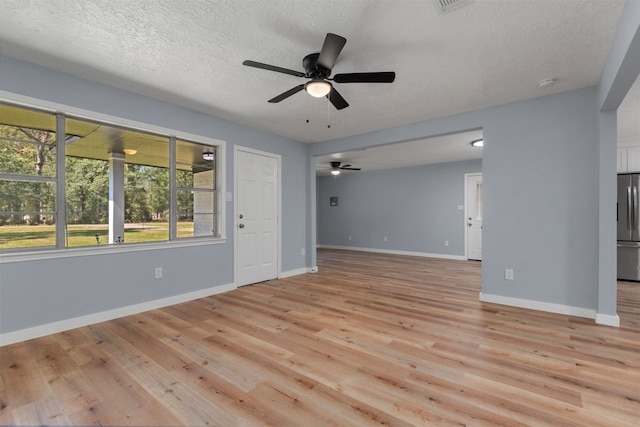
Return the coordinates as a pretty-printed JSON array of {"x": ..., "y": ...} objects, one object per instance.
[
  {"x": 256, "y": 221},
  {"x": 473, "y": 218}
]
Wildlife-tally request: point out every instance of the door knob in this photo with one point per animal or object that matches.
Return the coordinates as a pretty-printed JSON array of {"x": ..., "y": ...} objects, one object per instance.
[{"x": 241, "y": 226}]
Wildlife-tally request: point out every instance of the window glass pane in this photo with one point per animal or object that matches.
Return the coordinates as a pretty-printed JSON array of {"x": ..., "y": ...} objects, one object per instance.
[
  {"x": 184, "y": 201},
  {"x": 146, "y": 201},
  {"x": 27, "y": 157},
  {"x": 27, "y": 214},
  {"x": 479, "y": 201},
  {"x": 195, "y": 213},
  {"x": 195, "y": 189},
  {"x": 184, "y": 178},
  {"x": 27, "y": 178},
  {"x": 128, "y": 168},
  {"x": 87, "y": 201},
  {"x": 27, "y": 142}
]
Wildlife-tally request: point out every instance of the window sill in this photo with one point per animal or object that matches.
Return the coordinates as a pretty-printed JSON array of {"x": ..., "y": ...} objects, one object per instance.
[{"x": 45, "y": 254}]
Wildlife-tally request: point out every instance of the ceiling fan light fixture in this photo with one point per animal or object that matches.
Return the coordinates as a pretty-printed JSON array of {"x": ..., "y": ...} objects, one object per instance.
[
  {"x": 208, "y": 156},
  {"x": 477, "y": 143},
  {"x": 318, "y": 88},
  {"x": 335, "y": 171}
]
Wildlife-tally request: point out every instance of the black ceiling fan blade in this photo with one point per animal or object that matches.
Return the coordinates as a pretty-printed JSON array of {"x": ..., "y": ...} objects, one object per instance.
[
  {"x": 331, "y": 48},
  {"x": 344, "y": 168},
  {"x": 287, "y": 94},
  {"x": 379, "y": 77},
  {"x": 272, "y": 68},
  {"x": 337, "y": 100}
]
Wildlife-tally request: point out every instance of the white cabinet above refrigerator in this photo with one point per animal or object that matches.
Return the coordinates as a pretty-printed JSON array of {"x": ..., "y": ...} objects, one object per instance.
[{"x": 628, "y": 159}]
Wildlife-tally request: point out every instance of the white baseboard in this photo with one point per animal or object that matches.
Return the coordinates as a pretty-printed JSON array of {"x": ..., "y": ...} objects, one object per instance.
[
  {"x": 77, "y": 322},
  {"x": 608, "y": 320},
  {"x": 296, "y": 272},
  {"x": 392, "y": 252},
  {"x": 539, "y": 305}
]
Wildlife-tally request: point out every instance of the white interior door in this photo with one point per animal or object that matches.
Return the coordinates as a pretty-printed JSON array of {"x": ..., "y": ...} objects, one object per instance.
[
  {"x": 256, "y": 219},
  {"x": 473, "y": 217}
]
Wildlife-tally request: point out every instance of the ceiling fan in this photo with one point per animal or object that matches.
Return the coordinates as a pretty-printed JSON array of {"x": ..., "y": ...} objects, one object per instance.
[
  {"x": 318, "y": 68},
  {"x": 336, "y": 168}
]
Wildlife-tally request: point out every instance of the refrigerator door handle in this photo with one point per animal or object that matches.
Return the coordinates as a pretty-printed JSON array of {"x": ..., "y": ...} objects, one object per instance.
[
  {"x": 635, "y": 208},
  {"x": 629, "y": 205}
]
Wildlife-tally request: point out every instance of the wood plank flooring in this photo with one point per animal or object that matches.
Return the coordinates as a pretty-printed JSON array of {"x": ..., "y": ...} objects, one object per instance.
[{"x": 370, "y": 339}]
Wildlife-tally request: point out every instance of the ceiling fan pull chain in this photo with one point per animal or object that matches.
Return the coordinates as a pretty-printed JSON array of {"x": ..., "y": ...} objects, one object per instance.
[{"x": 329, "y": 111}]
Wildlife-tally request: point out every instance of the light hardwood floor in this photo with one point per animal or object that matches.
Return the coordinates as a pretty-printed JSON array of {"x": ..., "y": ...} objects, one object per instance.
[{"x": 370, "y": 339}]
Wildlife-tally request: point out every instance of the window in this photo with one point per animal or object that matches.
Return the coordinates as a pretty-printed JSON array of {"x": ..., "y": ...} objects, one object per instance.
[
  {"x": 117, "y": 185},
  {"x": 120, "y": 185},
  {"x": 27, "y": 178},
  {"x": 195, "y": 189}
]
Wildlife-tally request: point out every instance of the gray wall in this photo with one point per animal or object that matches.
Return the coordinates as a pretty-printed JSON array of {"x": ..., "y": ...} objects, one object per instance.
[
  {"x": 540, "y": 187},
  {"x": 42, "y": 291},
  {"x": 540, "y": 164},
  {"x": 416, "y": 208}
]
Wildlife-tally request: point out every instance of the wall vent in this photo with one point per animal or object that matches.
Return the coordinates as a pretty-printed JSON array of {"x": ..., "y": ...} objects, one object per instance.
[{"x": 446, "y": 5}]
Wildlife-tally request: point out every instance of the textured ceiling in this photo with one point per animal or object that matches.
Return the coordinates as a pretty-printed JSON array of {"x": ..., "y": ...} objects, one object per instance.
[{"x": 190, "y": 52}]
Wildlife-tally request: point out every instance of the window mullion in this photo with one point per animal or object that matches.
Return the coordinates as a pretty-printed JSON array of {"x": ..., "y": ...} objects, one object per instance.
[
  {"x": 26, "y": 178},
  {"x": 173, "y": 209},
  {"x": 61, "y": 194}
]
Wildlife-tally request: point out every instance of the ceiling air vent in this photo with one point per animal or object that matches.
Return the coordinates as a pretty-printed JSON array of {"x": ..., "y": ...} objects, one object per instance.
[{"x": 446, "y": 5}]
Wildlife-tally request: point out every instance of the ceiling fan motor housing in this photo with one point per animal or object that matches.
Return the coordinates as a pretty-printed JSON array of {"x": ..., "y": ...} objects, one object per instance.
[{"x": 312, "y": 69}]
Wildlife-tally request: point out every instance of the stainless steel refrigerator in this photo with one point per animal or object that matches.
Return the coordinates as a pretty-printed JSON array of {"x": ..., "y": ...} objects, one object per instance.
[{"x": 628, "y": 227}]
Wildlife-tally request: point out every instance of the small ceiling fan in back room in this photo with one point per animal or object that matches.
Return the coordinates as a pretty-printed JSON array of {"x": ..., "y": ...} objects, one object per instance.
[
  {"x": 335, "y": 168},
  {"x": 318, "y": 68}
]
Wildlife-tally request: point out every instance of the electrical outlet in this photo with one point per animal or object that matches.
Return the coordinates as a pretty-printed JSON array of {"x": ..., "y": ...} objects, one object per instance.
[
  {"x": 349, "y": 236},
  {"x": 385, "y": 239},
  {"x": 158, "y": 273},
  {"x": 446, "y": 243},
  {"x": 508, "y": 274},
  {"x": 302, "y": 251}
]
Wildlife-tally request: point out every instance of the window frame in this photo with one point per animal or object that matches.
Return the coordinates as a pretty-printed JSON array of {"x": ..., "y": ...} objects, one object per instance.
[
  {"x": 175, "y": 187},
  {"x": 60, "y": 250}
]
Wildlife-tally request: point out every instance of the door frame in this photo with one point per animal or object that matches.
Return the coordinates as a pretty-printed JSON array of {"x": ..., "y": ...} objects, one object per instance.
[
  {"x": 278, "y": 159},
  {"x": 466, "y": 207}
]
